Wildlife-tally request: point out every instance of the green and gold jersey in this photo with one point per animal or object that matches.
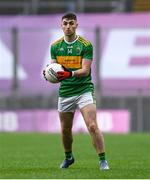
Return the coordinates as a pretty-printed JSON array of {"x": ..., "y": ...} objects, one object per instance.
[{"x": 70, "y": 55}]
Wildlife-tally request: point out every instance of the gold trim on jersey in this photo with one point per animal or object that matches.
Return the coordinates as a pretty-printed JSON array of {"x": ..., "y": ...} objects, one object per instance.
[
  {"x": 58, "y": 41},
  {"x": 84, "y": 41},
  {"x": 70, "y": 61}
]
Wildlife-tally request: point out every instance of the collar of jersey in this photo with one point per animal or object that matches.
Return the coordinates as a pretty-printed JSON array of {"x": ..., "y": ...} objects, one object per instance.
[{"x": 72, "y": 41}]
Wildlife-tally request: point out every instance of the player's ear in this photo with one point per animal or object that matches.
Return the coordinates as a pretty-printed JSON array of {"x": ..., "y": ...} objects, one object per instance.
[{"x": 61, "y": 24}]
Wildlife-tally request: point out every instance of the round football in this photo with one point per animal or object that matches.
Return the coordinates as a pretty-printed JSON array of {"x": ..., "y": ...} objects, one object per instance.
[{"x": 51, "y": 72}]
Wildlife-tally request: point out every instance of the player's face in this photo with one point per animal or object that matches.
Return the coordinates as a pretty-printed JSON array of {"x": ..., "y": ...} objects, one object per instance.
[{"x": 69, "y": 26}]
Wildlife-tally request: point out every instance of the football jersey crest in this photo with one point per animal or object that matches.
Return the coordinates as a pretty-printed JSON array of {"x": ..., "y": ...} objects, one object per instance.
[{"x": 78, "y": 50}]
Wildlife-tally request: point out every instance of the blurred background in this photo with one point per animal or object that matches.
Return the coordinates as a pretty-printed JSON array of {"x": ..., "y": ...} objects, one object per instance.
[{"x": 120, "y": 33}]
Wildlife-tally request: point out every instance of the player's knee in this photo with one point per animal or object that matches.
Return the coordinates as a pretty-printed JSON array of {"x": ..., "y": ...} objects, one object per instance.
[{"x": 92, "y": 127}]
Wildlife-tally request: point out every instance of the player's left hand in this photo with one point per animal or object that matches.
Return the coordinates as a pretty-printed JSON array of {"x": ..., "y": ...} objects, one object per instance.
[
  {"x": 44, "y": 75},
  {"x": 61, "y": 75}
]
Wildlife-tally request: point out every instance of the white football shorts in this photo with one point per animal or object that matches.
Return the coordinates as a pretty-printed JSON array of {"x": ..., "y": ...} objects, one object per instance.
[{"x": 70, "y": 104}]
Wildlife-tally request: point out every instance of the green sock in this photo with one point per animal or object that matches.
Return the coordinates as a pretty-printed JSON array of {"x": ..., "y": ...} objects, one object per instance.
[
  {"x": 102, "y": 156},
  {"x": 68, "y": 154}
]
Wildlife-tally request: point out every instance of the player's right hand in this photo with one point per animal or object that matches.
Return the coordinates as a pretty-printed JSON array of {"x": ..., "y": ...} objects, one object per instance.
[{"x": 61, "y": 75}]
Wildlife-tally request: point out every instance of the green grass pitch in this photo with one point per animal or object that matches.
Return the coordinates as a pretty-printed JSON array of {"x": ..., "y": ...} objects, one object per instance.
[{"x": 38, "y": 156}]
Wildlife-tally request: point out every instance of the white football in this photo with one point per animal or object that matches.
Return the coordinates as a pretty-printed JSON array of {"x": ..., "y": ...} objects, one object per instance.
[{"x": 51, "y": 72}]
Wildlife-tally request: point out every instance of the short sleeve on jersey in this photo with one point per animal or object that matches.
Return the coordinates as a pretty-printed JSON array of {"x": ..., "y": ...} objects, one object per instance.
[{"x": 88, "y": 52}]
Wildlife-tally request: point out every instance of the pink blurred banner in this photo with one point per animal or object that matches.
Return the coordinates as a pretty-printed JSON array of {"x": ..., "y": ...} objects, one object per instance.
[
  {"x": 109, "y": 121},
  {"x": 124, "y": 51}
]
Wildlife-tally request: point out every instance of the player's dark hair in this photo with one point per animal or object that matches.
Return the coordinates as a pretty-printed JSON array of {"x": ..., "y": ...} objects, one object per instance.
[{"x": 69, "y": 16}]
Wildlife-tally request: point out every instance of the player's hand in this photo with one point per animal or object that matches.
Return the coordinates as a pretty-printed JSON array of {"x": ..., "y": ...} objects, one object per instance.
[
  {"x": 61, "y": 75},
  {"x": 44, "y": 75}
]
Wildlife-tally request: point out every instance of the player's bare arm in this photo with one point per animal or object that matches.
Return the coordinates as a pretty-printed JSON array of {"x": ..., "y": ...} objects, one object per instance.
[{"x": 85, "y": 70}]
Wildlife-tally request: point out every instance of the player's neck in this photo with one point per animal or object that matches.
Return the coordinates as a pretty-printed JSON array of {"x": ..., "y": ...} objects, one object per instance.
[{"x": 70, "y": 38}]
